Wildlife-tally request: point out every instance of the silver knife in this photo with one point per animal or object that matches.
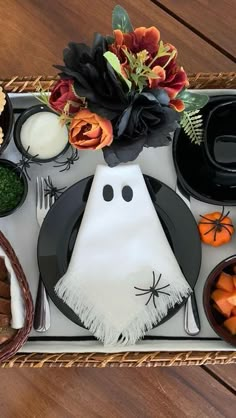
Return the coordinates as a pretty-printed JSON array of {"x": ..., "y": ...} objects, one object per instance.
[{"x": 191, "y": 316}]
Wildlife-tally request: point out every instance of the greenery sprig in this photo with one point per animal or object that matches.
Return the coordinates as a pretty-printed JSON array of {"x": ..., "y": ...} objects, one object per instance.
[
  {"x": 191, "y": 119},
  {"x": 191, "y": 123}
]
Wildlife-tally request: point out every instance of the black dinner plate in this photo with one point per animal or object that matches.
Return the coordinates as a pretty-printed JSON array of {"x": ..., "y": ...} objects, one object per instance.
[
  {"x": 197, "y": 175},
  {"x": 61, "y": 225}
]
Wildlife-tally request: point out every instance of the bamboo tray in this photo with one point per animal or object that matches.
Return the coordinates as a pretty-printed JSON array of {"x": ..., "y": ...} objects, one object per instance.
[{"x": 128, "y": 359}]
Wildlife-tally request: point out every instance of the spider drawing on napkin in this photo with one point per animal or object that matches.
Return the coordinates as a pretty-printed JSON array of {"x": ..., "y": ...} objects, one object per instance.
[{"x": 154, "y": 292}]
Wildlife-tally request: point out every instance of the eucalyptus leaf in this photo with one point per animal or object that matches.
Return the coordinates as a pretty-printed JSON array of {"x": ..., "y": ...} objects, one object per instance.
[
  {"x": 192, "y": 101},
  {"x": 115, "y": 63},
  {"x": 121, "y": 20}
]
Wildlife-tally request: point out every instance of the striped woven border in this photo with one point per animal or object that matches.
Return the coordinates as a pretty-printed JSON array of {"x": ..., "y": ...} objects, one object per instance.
[
  {"x": 67, "y": 360},
  {"x": 197, "y": 81},
  {"x": 128, "y": 359}
]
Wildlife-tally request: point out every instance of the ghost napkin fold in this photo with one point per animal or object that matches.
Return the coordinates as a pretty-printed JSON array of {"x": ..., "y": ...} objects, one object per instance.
[{"x": 123, "y": 276}]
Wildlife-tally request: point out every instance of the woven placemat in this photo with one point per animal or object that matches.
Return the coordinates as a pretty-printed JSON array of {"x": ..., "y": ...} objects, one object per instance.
[{"x": 128, "y": 359}]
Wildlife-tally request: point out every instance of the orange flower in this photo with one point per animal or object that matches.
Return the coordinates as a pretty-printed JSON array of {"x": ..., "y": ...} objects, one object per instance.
[
  {"x": 161, "y": 75},
  {"x": 136, "y": 41},
  {"x": 177, "y": 104},
  {"x": 90, "y": 131}
]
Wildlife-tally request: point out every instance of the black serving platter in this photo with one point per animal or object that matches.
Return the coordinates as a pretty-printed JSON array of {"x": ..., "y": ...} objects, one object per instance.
[
  {"x": 61, "y": 225},
  {"x": 195, "y": 172}
]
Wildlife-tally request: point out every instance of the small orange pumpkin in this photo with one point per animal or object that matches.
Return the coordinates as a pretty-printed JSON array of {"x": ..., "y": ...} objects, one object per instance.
[{"x": 216, "y": 228}]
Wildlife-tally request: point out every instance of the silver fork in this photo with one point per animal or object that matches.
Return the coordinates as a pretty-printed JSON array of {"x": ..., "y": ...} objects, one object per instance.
[{"x": 42, "y": 308}]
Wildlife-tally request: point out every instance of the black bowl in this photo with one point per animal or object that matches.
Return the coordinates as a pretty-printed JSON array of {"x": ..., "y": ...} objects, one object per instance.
[
  {"x": 6, "y": 123},
  {"x": 13, "y": 166},
  {"x": 17, "y": 130},
  {"x": 201, "y": 179},
  {"x": 214, "y": 317},
  {"x": 220, "y": 137}
]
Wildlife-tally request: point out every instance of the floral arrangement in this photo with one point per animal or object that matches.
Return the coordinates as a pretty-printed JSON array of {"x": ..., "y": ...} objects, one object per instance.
[
  {"x": 2, "y": 105},
  {"x": 124, "y": 93}
]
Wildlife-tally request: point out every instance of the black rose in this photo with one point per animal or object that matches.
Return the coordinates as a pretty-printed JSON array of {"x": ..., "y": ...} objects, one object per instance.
[
  {"x": 146, "y": 122},
  {"x": 94, "y": 78}
]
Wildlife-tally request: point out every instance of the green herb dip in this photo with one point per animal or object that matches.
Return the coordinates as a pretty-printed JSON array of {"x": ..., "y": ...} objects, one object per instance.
[{"x": 11, "y": 189}]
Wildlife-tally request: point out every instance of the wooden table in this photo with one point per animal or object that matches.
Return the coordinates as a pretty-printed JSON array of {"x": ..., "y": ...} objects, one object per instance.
[{"x": 33, "y": 34}]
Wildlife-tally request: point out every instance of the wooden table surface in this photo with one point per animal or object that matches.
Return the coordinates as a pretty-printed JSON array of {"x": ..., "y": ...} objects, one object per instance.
[{"x": 32, "y": 36}]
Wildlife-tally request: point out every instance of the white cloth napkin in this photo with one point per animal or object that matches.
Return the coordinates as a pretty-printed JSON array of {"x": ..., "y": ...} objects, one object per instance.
[
  {"x": 17, "y": 303},
  {"x": 120, "y": 252}
]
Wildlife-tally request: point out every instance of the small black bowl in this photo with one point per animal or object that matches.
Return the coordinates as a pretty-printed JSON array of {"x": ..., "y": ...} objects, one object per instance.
[
  {"x": 17, "y": 130},
  {"x": 214, "y": 317},
  {"x": 13, "y": 167},
  {"x": 196, "y": 174},
  {"x": 220, "y": 137},
  {"x": 6, "y": 123}
]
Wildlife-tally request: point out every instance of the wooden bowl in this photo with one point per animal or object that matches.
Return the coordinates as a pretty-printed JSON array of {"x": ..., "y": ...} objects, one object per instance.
[
  {"x": 214, "y": 317},
  {"x": 6, "y": 123}
]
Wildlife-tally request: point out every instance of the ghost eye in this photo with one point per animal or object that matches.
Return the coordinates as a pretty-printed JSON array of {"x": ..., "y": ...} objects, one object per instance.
[
  {"x": 127, "y": 193},
  {"x": 108, "y": 193}
]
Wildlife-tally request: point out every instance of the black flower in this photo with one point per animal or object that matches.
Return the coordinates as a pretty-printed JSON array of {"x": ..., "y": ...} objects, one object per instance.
[
  {"x": 94, "y": 78},
  {"x": 146, "y": 122}
]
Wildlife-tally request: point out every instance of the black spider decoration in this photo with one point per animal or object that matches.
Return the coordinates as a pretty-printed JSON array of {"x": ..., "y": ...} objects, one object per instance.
[
  {"x": 25, "y": 163},
  {"x": 154, "y": 292},
  {"x": 69, "y": 161},
  {"x": 51, "y": 190}
]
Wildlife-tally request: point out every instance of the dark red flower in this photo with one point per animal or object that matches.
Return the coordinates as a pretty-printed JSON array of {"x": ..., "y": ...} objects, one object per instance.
[
  {"x": 175, "y": 77},
  {"x": 63, "y": 98},
  {"x": 170, "y": 76}
]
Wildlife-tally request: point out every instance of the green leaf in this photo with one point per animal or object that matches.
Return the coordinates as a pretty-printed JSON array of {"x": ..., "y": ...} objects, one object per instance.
[
  {"x": 120, "y": 20},
  {"x": 115, "y": 63},
  {"x": 142, "y": 81},
  {"x": 151, "y": 74},
  {"x": 163, "y": 50},
  {"x": 134, "y": 77},
  {"x": 192, "y": 101},
  {"x": 131, "y": 59}
]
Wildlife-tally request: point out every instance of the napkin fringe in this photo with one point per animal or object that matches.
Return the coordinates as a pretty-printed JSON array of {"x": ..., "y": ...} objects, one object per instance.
[{"x": 97, "y": 324}]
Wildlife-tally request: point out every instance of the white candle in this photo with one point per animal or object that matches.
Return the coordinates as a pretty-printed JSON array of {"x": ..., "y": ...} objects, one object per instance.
[{"x": 45, "y": 136}]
